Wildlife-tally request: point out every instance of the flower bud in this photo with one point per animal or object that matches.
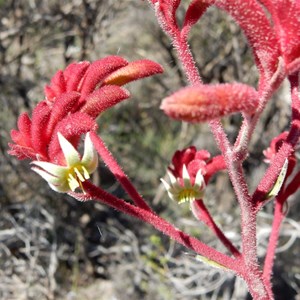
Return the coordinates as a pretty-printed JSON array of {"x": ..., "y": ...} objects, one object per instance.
[{"x": 202, "y": 103}]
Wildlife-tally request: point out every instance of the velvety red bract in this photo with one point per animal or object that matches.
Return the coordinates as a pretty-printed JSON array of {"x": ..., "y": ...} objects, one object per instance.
[
  {"x": 73, "y": 100},
  {"x": 258, "y": 30},
  {"x": 98, "y": 71},
  {"x": 58, "y": 83},
  {"x": 274, "y": 147},
  {"x": 285, "y": 14},
  {"x": 22, "y": 138},
  {"x": 61, "y": 107},
  {"x": 195, "y": 160},
  {"x": 201, "y": 103},
  {"x": 133, "y": 71},
  {"x": 168, "y": 8},
  {"x": 194, "y": 12},
  {"x": 74, "y": 74},
  {"x": 71, "y": 127},
  {"x": 275, "y": 144},
  {"x": 40, "y": 119},
  {"x": 104, "y": 98}
]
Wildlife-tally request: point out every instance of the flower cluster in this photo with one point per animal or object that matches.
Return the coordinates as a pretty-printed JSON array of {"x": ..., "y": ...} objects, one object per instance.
[{"x": 74, "y": 99}]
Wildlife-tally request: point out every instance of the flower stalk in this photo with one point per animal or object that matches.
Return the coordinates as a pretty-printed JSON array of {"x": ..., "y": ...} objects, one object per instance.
[
  {"x": 118, "y": 172},
  {"x": 95, "y": 193}
]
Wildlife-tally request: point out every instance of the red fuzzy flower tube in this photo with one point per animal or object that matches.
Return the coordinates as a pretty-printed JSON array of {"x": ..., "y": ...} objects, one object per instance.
[{"x": 202, "y": 103}]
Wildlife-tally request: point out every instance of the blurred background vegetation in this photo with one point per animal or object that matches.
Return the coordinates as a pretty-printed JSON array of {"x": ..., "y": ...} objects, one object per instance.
[{"x": 53, "y": 247}]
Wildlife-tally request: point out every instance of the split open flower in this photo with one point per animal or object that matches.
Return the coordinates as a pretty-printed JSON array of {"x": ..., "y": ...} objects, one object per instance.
[
  {"x": 71, "y": 176},
  {"x": 183, "y": 189}
]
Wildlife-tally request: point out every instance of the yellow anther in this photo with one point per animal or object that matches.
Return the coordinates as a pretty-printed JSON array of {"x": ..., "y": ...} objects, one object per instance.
[
  {"x": 85, "y": 172},
  {"x": 73, "y": 183},
  {"x": 186, "y": 195},
  {"x": 79, "y": 175}
]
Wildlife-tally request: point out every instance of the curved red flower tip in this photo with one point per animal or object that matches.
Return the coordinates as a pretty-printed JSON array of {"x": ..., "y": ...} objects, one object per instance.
[
  {"x": 275, "y": 144},
  {"x": 22, "y": 138},
  {"x": 285, "y": 14},
  {"x": 251, "y": 17},
  {"x": 74, "y": 99},
  {"x": 202, "y": 103},
  {"x": 196, "y": 160},
  {"x": 194, "y": 12},
  {"x": 133, "y": 71},
  {"x": 168, "y": 8},
  {"x": 274, "y": 147},
  {"x": 193, "y": 160},
  {"x": 102, "y": 99},
  {"x": 166, "y": 13}
]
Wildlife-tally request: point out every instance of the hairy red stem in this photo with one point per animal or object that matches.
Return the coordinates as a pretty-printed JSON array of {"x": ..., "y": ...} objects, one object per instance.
[
  {"x": 184, "y": 52},
  {"x": 118, "y": 172},
  {"x": 273, "y": 240},
  {"x": 94, "y": 192},
  {"x": 202, "y": 214}
]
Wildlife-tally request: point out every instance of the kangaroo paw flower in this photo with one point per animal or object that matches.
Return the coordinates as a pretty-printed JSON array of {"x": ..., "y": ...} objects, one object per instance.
[{"x": 69, "y": 177}]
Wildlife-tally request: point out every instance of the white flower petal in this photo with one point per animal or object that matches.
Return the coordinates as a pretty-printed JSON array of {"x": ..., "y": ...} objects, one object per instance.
[
  {"x": 73, "y": 182},
  {"x": 172, "y": 177},
  {"x": 167, "y": 186},
  {"x": 176, "y": 186},
  {"x": 173, "y": 197},
  {"x": 69, "y": 178},
  {"x": 71, "y": 155},
  {"x": 53, "y": 169},
  {"x": 79, "y": 175},
  {"x": 186, "y": 177},
  {"x": 86, "y": 174},
  {"x": 185, "y": 192},
  {"x": 48, "y": 177},
  {"x": 64, "y": 188},
  {"x": 90, "y": 156},
  {"x": 199, "y": 180}
]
